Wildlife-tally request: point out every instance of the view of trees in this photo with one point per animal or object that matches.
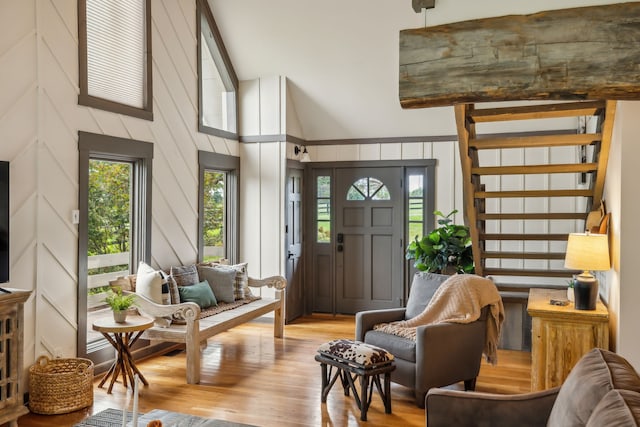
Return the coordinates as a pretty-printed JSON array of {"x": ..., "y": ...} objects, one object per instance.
[
  {"x": 214, "y": 193},
  {"x": 109, "y": 207}
]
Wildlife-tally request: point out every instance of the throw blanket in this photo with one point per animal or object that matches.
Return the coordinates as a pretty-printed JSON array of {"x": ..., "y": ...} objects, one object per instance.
[{"x": 459, "y": 299}]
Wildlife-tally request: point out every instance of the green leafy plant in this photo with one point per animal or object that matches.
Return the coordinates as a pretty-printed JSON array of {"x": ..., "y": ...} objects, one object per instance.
[
  {"x": 446, "y": 249},
  {"x": 118, "y": 302}
]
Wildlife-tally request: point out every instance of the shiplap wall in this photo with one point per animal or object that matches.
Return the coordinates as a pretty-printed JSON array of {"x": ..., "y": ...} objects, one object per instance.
[{"x": 39, "y": 124}]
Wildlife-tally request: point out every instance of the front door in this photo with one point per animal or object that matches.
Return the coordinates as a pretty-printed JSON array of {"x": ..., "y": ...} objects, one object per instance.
[{"x": 369, "y": 239}]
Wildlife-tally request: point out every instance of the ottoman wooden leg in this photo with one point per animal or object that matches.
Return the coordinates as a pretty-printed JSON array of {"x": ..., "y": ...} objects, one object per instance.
[{"x": 366, "y": 398}]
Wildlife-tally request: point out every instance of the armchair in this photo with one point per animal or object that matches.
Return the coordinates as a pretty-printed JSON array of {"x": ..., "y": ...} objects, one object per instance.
[{"x": 442, "y": 354}]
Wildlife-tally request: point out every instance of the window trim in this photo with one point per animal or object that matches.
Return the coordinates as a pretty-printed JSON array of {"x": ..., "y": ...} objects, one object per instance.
[
  {"x": 92, "y": 146},
  {"x": 202, "y": 7},
  {"x": 208, "y": 160},
  {"x": 104, "y": 104}
]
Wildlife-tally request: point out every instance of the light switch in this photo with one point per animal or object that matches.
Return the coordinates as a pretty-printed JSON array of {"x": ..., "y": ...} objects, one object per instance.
[{"x": 75, "y": 216}]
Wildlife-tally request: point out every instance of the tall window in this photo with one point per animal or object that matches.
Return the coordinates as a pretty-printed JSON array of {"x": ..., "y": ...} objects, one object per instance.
[
  {"x": 218, "y": 212},
  {"x": 217, "y": 81},
  {"x": 115, "y": 56},
  {"x": 323, "y": 209},
  {"x": 114, "y": 232}
]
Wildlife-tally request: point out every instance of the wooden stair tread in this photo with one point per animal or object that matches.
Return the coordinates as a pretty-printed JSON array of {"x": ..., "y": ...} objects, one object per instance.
[
  {"x": 542, "y": 111},
  {"x": 528, "y": 272},
  {"x": 523, "y": 255},
  {"x": 535, "y": 169},
  {"x": 556, "y": 215},
  {"x": 556, "y": 237},
  {"x": 535, "y": 141},
  {"x": 533, "y": 193}
]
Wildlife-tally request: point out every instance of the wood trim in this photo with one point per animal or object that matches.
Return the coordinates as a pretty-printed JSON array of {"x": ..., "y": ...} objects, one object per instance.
[
  {"x": 523, "y": 255},
  {"x": 535, "y": 141},
  {"x": 542, "y": 111},
  {"x": 532, "y": 193},
  {"x": 521, "y": 216},
  {"x": 535, "y": 169},
  {"x": 607, "y": 131},
  {"x": 529, "y": 273},
  {"x": 524, "y": 237}
]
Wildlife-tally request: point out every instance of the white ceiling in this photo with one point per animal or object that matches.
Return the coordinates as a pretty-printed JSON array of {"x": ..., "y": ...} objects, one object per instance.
[{"x": 341, "y": 57}]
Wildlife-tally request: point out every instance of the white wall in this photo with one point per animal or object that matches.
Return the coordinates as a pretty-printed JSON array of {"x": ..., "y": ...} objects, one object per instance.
[
  {"x": 39, "y": 124},
  {"x": 622, "y": 288}
]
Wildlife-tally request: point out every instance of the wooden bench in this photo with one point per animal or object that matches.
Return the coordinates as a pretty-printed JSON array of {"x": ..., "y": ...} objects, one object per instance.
[{"x": 196, "y": 331}]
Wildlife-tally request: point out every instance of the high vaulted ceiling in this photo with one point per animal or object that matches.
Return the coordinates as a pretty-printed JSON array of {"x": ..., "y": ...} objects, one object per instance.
[{"x": 341, "y": 57}]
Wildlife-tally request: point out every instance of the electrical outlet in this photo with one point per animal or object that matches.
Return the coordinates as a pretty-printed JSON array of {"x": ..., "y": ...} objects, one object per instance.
[{"x": 75, "y": 216}]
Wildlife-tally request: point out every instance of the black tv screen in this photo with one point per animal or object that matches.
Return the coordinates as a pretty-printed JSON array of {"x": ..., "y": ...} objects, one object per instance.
[{"x": 4, "y": 222}]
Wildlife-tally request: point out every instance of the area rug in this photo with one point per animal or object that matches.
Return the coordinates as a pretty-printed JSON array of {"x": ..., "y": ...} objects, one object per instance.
[{"x": 113, "y": 418}]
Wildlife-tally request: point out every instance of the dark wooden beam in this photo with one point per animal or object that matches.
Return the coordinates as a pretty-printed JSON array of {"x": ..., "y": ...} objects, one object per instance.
[
  {"x": 418, "y": 5},
  {"x": 569, "y": 54}
]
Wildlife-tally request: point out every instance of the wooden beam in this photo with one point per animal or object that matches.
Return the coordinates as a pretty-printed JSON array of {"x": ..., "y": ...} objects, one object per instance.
[
  {"x": 603, "y": 159},
  {"x": 525, "y": 237},
  {"x": 542, "y": 111},
  {"x": 580, "y": 53},
  {"x": 535, "y": 141},
  {"x": 529, "y": 273},
  {"x": 532, "y": 193},
  {"x": 524, "y": 216},
  {"x": 523, "y": 255},
  {"x": 535, "y": 169}
]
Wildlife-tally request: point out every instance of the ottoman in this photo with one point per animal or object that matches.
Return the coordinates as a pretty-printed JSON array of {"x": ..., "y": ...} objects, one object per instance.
[{"x": 353, "y": 359}]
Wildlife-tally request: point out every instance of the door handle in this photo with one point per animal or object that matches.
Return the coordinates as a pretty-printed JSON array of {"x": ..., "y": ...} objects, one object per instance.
[{"x": 289, "y": 255}]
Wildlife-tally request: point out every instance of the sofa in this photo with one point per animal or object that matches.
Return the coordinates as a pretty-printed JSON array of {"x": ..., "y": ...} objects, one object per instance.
[
  {"x": 602, "y": 389},
  {"x": 442, "y": 354}
]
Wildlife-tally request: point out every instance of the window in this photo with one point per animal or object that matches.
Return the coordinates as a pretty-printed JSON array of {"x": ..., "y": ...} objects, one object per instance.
[
  {"x": 323, "y": 209},
  {"x": 217, "y": 81},
  {"x": 416, "y": 217},
  {"x": 114, "y": 233},
  {"x": 368, "y": 189},
  {"x": 218, "y": 211},
  {"x": 115, "y": 56}
]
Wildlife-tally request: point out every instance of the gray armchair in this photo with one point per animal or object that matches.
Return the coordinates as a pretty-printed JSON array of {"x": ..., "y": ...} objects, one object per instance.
[
  {"x": 442, "y": 354},
  {"x": 602, "y": 389}
]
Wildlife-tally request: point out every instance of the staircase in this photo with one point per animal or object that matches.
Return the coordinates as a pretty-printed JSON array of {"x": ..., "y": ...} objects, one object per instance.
[{"x": 525, "y": 192}]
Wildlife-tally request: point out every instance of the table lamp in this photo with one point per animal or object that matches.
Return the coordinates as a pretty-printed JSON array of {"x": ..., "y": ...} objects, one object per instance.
[{"x": 587, "y": 252}]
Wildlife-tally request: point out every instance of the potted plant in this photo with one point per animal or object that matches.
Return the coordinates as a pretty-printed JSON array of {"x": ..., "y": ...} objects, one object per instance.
[
  {"x": 445, "y": 250},
  {"x": 120, "y": 303}
]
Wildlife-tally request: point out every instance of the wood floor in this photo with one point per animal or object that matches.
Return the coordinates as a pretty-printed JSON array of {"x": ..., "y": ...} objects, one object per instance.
[{"x": 250, "y": 377}]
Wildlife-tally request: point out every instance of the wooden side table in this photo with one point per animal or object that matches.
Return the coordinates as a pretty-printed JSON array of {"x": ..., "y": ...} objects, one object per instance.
[
  {"x": 124, "y": 336},
  {"x": 561, "y": 335}
]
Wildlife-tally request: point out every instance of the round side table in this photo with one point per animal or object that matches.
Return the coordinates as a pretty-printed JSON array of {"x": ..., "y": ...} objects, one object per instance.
[{"x": 122, "y": 336}]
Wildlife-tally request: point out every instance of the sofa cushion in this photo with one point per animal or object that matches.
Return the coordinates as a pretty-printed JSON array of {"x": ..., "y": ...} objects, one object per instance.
[
  {"x": 423, "y": 287},
  {"x": 200, "y": 293},
  {"x": 221, "y": 281},
  {"x": 595, "y": 374},
  {"x": 402, "y": 348},
  {"x": 149, "y": 283},
  {"x": 185, "y": 275},
  {"x": 617, "y": 408}
]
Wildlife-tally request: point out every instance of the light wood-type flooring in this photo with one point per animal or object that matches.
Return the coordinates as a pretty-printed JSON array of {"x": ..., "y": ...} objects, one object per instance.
[{"x": 250, "y": 377}]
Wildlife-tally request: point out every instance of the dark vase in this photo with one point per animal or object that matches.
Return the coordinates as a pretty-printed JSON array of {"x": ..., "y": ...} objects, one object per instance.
[{"x": 585, "y": 293}]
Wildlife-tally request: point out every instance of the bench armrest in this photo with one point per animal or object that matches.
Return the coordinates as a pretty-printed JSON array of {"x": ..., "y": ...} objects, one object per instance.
[
  {"x": 185, "y": 310},
  {"x": 277, "y": 282}
]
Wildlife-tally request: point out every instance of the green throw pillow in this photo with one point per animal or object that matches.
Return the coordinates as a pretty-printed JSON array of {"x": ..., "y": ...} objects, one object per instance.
[{"x": 199, "y": 293}]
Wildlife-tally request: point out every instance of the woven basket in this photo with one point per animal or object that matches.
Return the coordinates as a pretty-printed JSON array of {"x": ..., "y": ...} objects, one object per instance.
[{"x": 58, "y": 386}]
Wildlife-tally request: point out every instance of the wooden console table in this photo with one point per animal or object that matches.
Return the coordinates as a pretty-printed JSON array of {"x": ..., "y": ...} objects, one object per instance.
[
  {"x": 561, "y": 335},
  {"x": 11, "y": 356},
  {"x": 124, "y": 336}
]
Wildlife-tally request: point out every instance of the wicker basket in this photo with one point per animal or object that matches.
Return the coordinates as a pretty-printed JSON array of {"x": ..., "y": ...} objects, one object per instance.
[{"x": 58, "y": 386}]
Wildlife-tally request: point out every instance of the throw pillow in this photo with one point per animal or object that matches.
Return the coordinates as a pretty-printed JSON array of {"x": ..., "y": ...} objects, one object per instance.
[
  {"x": 199, "y": 293},
  {"x": 149, "y": 283},
  {"x": 221, "y": 281},
  {"x": 423, "y": 287},
  {"x": 241, "y": 284},
  {"x": 185, "y": 275},
  {"x": 174, "y": 295}
]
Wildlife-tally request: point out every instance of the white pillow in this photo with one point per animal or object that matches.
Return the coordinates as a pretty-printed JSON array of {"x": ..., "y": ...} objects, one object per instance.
[{"x": 149, "y": 283}]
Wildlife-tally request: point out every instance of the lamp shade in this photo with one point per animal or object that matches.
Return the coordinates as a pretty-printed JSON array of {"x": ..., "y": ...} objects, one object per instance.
[{"x": 588, "y": 252}]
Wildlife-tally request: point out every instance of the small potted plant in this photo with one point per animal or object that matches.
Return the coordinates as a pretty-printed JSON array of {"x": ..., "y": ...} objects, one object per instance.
[
  {"x": 120, "y": 303},
  {"x": 445, "y": 250}
]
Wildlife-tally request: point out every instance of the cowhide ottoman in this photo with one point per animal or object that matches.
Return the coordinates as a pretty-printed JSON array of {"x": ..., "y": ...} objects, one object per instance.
[{"x": 353, "y": 359}]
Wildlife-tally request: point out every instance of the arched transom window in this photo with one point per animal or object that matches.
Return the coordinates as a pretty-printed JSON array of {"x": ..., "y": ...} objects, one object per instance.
[{"x": 368, "y": 189}]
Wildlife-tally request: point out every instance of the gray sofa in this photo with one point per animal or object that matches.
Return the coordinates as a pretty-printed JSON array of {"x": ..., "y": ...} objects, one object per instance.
[
  {"x": 602, "y": 389},
  {"x": 442, "y": 354}
]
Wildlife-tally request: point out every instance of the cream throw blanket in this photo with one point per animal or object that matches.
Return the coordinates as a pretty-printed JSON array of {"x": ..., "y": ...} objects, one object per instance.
[{"x": 459, "y": 299}]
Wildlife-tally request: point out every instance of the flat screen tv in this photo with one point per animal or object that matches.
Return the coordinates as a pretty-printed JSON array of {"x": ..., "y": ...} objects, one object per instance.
[{"x": 4, "y": 222}]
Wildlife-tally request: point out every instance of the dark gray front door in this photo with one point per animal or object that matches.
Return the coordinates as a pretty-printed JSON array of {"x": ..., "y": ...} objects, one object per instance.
[
  {"x": 294, "y": 295},
  {"x": 369, "y": 239}
]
